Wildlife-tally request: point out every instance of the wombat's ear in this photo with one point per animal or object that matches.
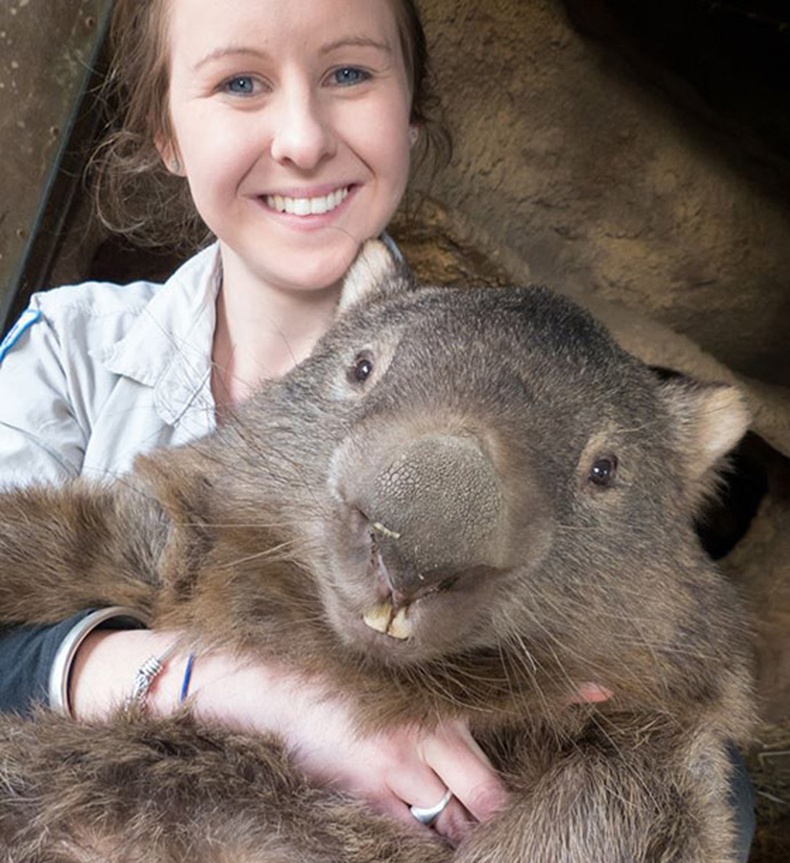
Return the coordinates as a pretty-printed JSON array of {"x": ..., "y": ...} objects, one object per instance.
[
  {"x": 711, "y": 418},
  {"x": 378, "y": 268}
]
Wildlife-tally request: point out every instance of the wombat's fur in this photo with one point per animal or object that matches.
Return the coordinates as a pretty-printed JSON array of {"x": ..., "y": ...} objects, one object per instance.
[{"x": 506, "y": 497}]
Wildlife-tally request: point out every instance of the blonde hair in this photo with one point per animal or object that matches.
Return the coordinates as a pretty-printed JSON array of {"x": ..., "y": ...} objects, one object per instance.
[{"x": 135, "y": 194}]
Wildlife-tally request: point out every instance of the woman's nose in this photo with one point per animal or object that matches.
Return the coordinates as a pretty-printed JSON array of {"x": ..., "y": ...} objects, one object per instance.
[{"x": 302, "y": 132}]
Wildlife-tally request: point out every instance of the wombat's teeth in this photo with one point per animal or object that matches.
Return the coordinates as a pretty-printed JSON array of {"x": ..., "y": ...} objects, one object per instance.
[
  {"x": 400, "y": 627},
  {"x": 378, "y": 618},
  {"x": 383, "y": 619}
]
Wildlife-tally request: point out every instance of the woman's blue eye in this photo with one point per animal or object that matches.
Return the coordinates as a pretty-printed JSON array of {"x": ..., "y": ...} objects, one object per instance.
[
  {"x": 242, "y": 85},
  {"x": 349, "y": 75}
]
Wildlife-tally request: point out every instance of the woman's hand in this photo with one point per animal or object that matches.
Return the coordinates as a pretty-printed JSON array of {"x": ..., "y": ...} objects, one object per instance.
[{"x": 391, "y": 771}]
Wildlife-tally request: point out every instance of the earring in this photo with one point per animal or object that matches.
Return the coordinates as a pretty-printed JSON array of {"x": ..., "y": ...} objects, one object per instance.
[
  {"x": 414, "y": 134},
  {"x": 175, "y": 165}
]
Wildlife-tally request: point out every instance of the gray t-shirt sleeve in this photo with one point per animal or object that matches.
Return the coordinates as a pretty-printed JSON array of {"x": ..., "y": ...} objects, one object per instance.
[{"x": 26, "y": 657}]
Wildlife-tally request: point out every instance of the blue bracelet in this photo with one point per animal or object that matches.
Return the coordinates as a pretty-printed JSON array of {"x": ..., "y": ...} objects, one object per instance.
[{"x": 187, "y": 678}]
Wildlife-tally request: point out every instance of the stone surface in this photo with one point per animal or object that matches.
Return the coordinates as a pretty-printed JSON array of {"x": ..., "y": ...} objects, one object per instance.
[
  {"x": 565, "y": 156},
  {"x": 47, "y": 49}
]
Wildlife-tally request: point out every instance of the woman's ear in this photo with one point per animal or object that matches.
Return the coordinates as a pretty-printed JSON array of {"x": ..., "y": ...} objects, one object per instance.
[{"x": 168, "y": 151}]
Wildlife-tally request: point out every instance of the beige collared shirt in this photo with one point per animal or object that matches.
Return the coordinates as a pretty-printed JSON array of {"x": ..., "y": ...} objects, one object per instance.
[{"x": 93, "y": 374}]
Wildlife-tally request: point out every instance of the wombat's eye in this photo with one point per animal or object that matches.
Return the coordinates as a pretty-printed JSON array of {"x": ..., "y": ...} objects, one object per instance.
[
  {"x": 362, "y": 368},
  {"x": 603, "y": 471}
]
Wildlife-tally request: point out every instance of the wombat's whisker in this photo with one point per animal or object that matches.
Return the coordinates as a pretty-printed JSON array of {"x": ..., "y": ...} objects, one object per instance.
[
  {"x": 455, "y": 689},
  {"x": 519, "y": 652},
  {"x": 518, "y": 657},
  {"x": 563, "y": 651},
  {"x": 274, "y": 458},
  {"x": 240, "y": 525},
  {"x": 577, "y": 529},
  {"x": 440, "y": 686},
  {"x": 511, "y": 662},
  {"x": 268, "y": 553},
  {"x": 645, "y": 427}
]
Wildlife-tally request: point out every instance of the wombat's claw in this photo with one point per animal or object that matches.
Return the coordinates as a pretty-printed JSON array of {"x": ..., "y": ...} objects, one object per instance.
[{"x": 383, "y": 618}]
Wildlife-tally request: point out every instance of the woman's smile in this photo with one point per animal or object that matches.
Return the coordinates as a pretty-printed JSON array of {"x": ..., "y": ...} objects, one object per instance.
[{"x": 307, "y": 205}]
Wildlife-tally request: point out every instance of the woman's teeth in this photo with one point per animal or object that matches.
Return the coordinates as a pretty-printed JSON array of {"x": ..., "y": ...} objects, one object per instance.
[{"x": 307, "y": 206}]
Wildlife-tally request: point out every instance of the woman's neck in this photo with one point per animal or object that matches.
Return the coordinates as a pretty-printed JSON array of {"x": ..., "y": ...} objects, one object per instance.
[{"x": 262, "y": 332}]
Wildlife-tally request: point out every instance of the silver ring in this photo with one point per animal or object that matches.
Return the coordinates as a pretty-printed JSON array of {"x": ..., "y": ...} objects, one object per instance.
[{"x": 429, "y": 815}]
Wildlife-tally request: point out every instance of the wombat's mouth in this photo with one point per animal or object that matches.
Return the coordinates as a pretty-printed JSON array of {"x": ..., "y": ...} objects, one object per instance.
[
  {"x": 401, "y": 588},
  {"x": 396, "y": 619}
]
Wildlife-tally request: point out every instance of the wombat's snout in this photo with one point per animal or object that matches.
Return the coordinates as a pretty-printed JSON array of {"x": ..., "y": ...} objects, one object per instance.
[
  {"x": 433, "y": 512},
  {"x": 439, "y": 500}
]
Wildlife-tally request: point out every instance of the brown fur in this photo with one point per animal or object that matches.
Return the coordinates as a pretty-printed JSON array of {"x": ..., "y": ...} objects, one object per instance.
[{"x": 459, "y": 474}]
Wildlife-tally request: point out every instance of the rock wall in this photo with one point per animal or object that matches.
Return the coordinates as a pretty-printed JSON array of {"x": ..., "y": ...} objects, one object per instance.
[
  {"x": 47, "y": 51},
  {"x": 573, "y": 161}
]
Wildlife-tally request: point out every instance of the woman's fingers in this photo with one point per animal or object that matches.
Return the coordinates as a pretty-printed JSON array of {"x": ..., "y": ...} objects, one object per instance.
[
  {"x": 454, "y": 823},
  {"x": 422, "y": 792},
  {"x": 444, "y": 760},
  {"x": 458, "y": 760}
]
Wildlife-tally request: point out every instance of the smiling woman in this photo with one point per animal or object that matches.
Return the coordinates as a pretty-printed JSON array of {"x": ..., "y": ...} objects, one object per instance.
[
  {"x": 303, "y": 102},
  {"x": 293, "y": 132},
  {"x": 136, "y": 196}
]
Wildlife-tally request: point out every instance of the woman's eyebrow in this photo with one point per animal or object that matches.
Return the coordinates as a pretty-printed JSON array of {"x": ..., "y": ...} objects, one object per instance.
[
  {"x": 230, "y": 51},
  {"x": 355, "y": 41}
]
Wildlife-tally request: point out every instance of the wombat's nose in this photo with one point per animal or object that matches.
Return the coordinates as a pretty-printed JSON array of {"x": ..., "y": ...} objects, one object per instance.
[{"x": 436, "y": 508}]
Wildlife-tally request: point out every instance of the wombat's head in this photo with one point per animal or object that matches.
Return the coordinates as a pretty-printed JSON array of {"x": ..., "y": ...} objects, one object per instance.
[{"x": 487, "y": 472}]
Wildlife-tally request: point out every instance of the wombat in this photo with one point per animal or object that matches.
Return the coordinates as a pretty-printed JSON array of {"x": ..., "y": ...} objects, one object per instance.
[{"x": 464, "y": 503}]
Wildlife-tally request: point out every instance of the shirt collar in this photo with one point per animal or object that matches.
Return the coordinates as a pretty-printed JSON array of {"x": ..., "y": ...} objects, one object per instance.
[{"x": 169, "y": 345}]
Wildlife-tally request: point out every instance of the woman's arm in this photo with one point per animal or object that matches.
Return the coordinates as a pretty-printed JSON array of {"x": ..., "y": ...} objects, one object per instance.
[
  {"x": 392, "y": 770},
  {"x": 33, "y": 411}
]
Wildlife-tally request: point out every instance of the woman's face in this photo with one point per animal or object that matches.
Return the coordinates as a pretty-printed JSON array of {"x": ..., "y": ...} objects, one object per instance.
[{"x": 290, "y": 121}]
